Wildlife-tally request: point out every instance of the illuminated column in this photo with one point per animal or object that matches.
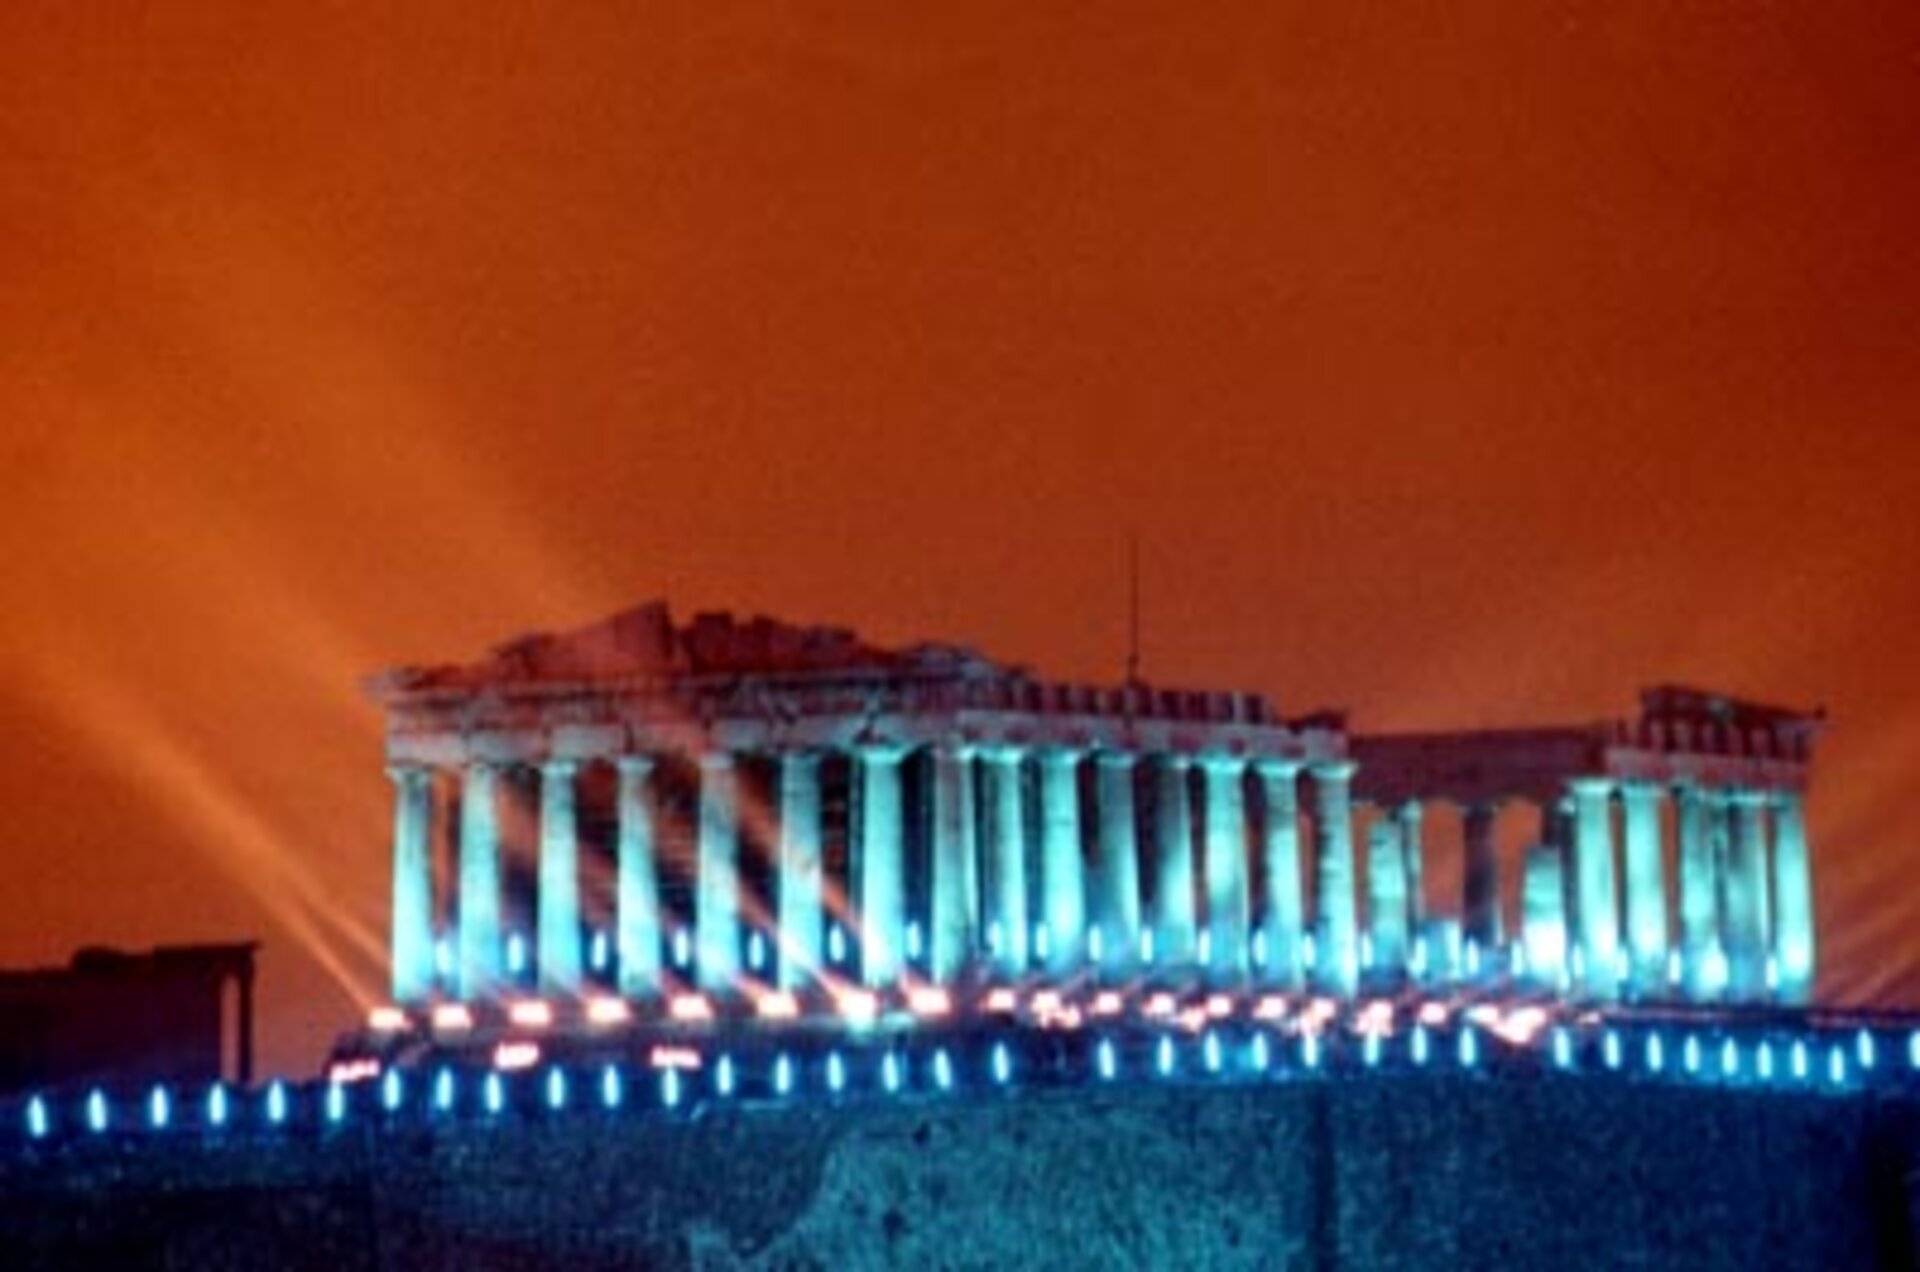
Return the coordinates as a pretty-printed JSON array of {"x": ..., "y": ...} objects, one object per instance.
[
  {"x": 1174, "y": 922},
  {"x": 1699, "y": 902},
  {"x": 1646, "y": 887},
  {"x": 412, "y": 883},
  {"x": 951, "y": 936},
  {"x": 558, "y": 919},
  {"x": 479, "y": 940},
  {"x": 1746, "y": 896},
  {"x": 1543, "y": 923},
  {"x": 1119, "y": 856},
  {"x": 800, "y": 906},
  {"x": 1595, "y": 887},
  {"x": 1413, "y": 849},
  {"x": 1793, "y": 933},
  {"x": 636, "y": 890},
  {"x": 716, "y": 928},
  {"x": 1480, "y": 904},
  {"x": 1062, "y": 873},
  {"x": 1387, "y": 894},
  {"x": 1283, "y": 919},
  {"x": 1226, "y": 868},
  {"x": 1339, "y": 954},
  {"x": 883, "y": 897},
  {"x": 1007, "y": 854}
]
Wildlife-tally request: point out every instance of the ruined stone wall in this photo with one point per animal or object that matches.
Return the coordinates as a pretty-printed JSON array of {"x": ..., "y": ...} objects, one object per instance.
[{"x": 1429, "y": 1171}]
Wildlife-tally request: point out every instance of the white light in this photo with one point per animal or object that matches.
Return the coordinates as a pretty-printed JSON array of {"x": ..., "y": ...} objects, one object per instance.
[
  {"x": 782, "y": 1075},
  {"x": 858, "y": 1006},
  {"x": 604, "y": 1010},
  {"x": 1799, "y": 1060},
  {"x": 216, "y": 1105},
  {"x": 1772, "y": 974},
  {"x": 556, "y": 1089},
  {"x": 1210, "y": 1051},
  {"x": 443, "y": 1090},
  {"x": 515, "y": 1055},
  {"x": 942, "y": 1070},
  {"x": 1418, "y": 1045},
  {"x": 276, "y": 1103},
  {"x": 1690, "y": 1054},
  {"x": 670, "y": 1088},
  {"x": 1866, "y": 1049},
  {"x": 1001, "y": 1001},
  {"x": 690, "y": 1008},
  {"x": 1729, "y": 1059},
  {"x": 1763, "y": 1061},
  {"x": 779, "y": 1005},
  {"x": 1002, "y": 1063},
  {"x": 1260, "y": 1053},
  {"x": 336, "y": 1103},
  {"x": 1163, "y": 1057},
  {"x": 1837, "y": 1064},
  {"x": 929, "y": 1000},
  {"x": 1469, "y": 1047},
  {"x": 1562, "y": 1049},
  {"x": 1610, "y": 1049},
  {"x": 531, "y": 1013},
  {"x": 1310, "y": 1050},
  {"x": 386, "y": 1020},
  {"x": 1105, "y": 1061},
  {"x": 598, "y": 952},
  {"x": 37, "y": 1121},
  {"x": 682, "y": 948},
  {"x": 390, "y": 1090},
  {"x": 723, "y": 1076},
  {"x": 1714, "y": 972},
  {"x": 452, "y": 1017},
  {"x": 159, "y": 1109},
  {"x": 610, "y": 1092},
  {"x": 356, "y": 1070},
  {"x": 1656, "y": 1054},
  {"x": 836, "y": 944},
  {"x": 756, "y": 950},
  {"x": 890, "y": 1072},
  {"x": 1106, "y": 1003},
  {"x": 516, "y": 954},
  {"x": 97, "y": 1111},
  {"x": 1675, "y": 968},
  {"x": 493, "y": 1092}
]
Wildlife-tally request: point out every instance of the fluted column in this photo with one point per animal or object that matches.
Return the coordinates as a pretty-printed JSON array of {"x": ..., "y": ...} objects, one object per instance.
[
  {"x": 1646, "y": 887},
  {"x": 637, "y": 888},
  {"x": 800, "y": 875},
  {"x": 952, "y": 937},
  {"x": 1119, "y": 857},
  {"x": 557, "y": 921},
  {"x": 1543, "y": 907},
  {"x": 1336, "y": 920},
  {"x": 1174, "y": 922},
  {"x": 1793, "y": 931},
  {"x": 1413, "y": 848},
  {"x": 1284, "y": 917},
  {"x": 412, "y": 952},
  {"x": 1746, "y": 896},
  {"x": 883, "y": 897},
  {"x": 1062, "y": 871},
  {"x": 1480, "y": 881},
  {"x": 716, "y": 918},
  {"x": 479, "y": 940},
  {"x": 1595, "y": 885},
  {"x": 1007, "y": 857},
  {"x": 1226, "y": 868},
  {"x": 1699, "y": 887},
  {"x": 1387, "y": 895}
]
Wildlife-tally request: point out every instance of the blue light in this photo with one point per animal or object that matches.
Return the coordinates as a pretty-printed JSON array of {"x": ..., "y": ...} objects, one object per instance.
[
  {"x": 1517, "y": 959},
  {"x": 993, "y": 937},
  {"x": 1470, "y": 958},
  {"x": 683, "y": 947},
  {"x": 38, "y": 1124},
  {"x": 1418, "y": 963},
  {"x": 1562, "y": 1049},
  {"x": 1260, "y": 1053},
  {"x": 836, "y": 1073},
  {"x": 756, "y": 950},
  {"x": 1366, "y": 950},
  {"x": 1763, "y": 1061},
  {"x": 670, "y": 1088},
  {"x": 610, "y": 1091},
  {"x": 556, "y": 1089},
  {"x": 1418, "y": 1044},
  {"x": 1310, "y": 1050},
  {"x": 913, "y": 938},
  {"x": 1163, "y": 1057},
  {"x": 1690, "y": 1054},
  {"x": 1210, "y": 1051},
  {"x": 493, "y": 1093},
  {"x": 1370, "y": 1049},
  {"x": 1913, "y": 1050},
  {"x": 1674, "y": 967},
  {"x": 1146, "y": 946},
  {"x": 1469, "y": 1047},
  {"x": 159, "y": 1109},
  {"x": 942, "y": 1070},
  {"x": 1610, "y": 1049},
  {"x": 598, "y": 952},
  {"x": 1260, "y": 947},
  {"x": 890, "y": 1072},
  {"x": 1206, "y": 948},
  {"x": 443, "y": 1090},
  {"x": 723, "y": 1076},
  {"x": 1837, "y": 1064},
  {"x": 216, "y": 1105},
  {"x": 277, "y": 1103},
  {"x": 783, "y": 1075},
  {"x": 443, "y": 959},
  {"x": 1799, "y": 1060},
  {"x": 836, "y": 944},
  {"x": 1867, "y": 1050},
  {"x": 1095, "y": 945},
  {"x": 1309, "y": 951},
  {"x": 97, "y": 1111},
  {"x": 1105, "y": 1062},
  {"x": 516, "y": 954},
  {"x": 336, "y": 1103},
  {"x": 1002, "y": 1063},
  {"x": 1656, "y": 1054},
  {"x": 1729, "y": 1059},
  {"x": 390, "y": 1091},
  {"x": 1040, "y": 940}
]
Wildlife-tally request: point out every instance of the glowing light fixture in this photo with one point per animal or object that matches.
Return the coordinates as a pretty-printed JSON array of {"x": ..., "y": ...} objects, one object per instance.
[
  {"x": 1260, "y": 947},
  {"x": 556, "y": 1089},
  {"x": 1000, "y": 1002},
  {"x": 1146, "y": 946},
  {"x": 387, "y": 1019},
  {"x": 336, "y": 1103},
  {"x": 452, "y": 1018},
  {"x": 929, "y": 1000},
  {"x": 38, "y": 1123},
  {"x": 1690, "y": 1054},
  {"x": 890, "y": 1072},
  {"x": 493, "y": 1093},
  {"x": 1797, "y": 1060},
  {"x": 605, "y": 1010},
  {"x": 858, "y": 1006},
  {"x": 516, "y": 954},
  {"x": 390, "y": 1090},
  {"x": 1309, "y": 951},
  {"x": 1210, "y": 1051},
  {"x": 1205, "y": 948},
  {"x": 159, "y": 1109},
  {"x": 97, "y": 1111},
  {"x": 1656, "y": 1054},
  {"x": 1271, "y": 1007},
  {"x": 443, "y": 1090},
  {"x": 1106, "y": 1003},
  {"x": 836, "y": 944},
  {"x": 1105, "y": 1062},
  {"x": 1370, "y": 1049},
  {"x": 723, "y": 1076},
  {"x": 783, "y": 1075},
  {"x": 1418, "y": 1044},
  {"x": 443, "y": 959},
  {"x": 1002, "y": 1063},
  {"x": 1913, "y": 1050},
  {"x": 1866, "y": 1049},
  {"x": 670, "y": 1088},
  {"x": 690, "y": 1008},
  {"x": 1837, "y": 1064},
  {"x": 1763, "y": 1061},
  {"x": 1095, "y": 946},
  {"x": 1562, "y": 1049},
  {"x": 599, "y": 952},
  {"x": 1310, "y": 1050},
  {"x": 942, "y": 1070},
  {"x": 516, "y": 1054},
  {"x": 1610, "y": 1049},
  {"x": 1469, "y": 1047},
  {"x": 1260, "y": 1053},
  {"x": 913, "y": 939},
  {"x": 1219, "y": 1006},
  {"x": 531, "y": 1013},
  {"x": 610, "y": 1092},
  {"x": 277, "y": 1103},
  {"x": 779, "y": 1005},
  {"x": 1729, "y": 1059},
  {"x": 682, "y": 948},
  {"x": 1163, "y": 1057},
  {"x": 1158, "y": 1006},
  {"x": 756, "y": 950}
]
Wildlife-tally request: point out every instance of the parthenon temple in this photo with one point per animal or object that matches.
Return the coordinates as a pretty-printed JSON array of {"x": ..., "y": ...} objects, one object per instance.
[{"x": 736, "y": 806}]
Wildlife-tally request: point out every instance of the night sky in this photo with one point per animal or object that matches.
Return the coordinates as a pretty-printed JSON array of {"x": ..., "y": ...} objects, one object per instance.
[{"x": 1455, "y": 364}]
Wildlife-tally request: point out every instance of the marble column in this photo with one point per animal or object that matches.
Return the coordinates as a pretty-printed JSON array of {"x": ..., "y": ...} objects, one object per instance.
[
  {"x": 1228, "y": 902},
  {"x": 1646, "y": 888},
  {"x": 1337, "y": 921},
  {"x": 1746, "y": 897},
  {"x": 1175, "y": 925},
  {"x": 883, "y": 896},
  {"x": 479, "y": 952},
  {"x": 636, "y": 898},
  {"x": 1119, "y": 857},
  {"x": 716, "y": 917},
  {"x": 1793, "y": 930},
  {"x": 1413, "y": 849},
  {"x": 1480, "y": 881},
  {"x": 1699, "y": 889},
  {"x": 1284, "y": 917},
  {"x": 1062, "y": 871},
  {"x": 1007, "y": 914},
  {"x": 557, "y": 921},
  {"x": 800, "y": 873},
  {"x": 952, "y": 938},
  {"x": 1596, "y": 885},
  {"x": 1387, "y": 895},
  {"x": 412, "y": 953},
  {"x": 1543, "y": 924}
]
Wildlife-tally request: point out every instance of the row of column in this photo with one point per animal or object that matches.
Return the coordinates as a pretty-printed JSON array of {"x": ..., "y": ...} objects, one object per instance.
[{"x": 1012, "y": 930}]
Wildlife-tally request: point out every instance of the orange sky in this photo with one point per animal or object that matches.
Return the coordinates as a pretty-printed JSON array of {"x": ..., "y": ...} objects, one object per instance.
[{"x": 1473, "y": 365}]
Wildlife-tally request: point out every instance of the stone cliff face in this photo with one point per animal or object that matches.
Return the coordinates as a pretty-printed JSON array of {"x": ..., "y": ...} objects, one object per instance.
[{"x": 1391, "y": 1173}]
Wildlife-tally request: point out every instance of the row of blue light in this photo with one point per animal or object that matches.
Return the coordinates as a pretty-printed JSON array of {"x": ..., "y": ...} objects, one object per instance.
[{"x": 1765, "y": 1061}]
